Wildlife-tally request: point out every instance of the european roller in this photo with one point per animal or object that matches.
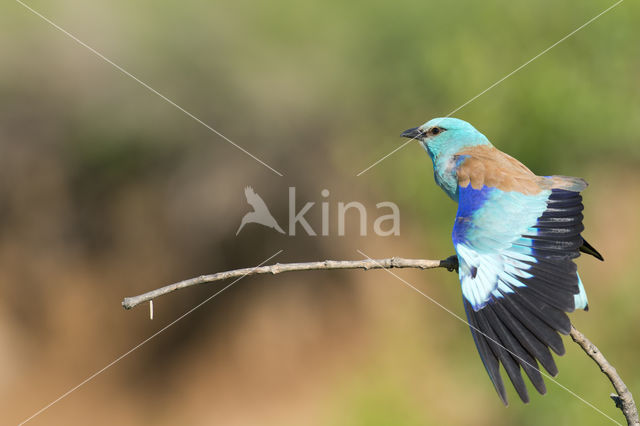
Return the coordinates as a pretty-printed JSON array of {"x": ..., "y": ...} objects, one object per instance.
[{"x": 515, "y": 236}]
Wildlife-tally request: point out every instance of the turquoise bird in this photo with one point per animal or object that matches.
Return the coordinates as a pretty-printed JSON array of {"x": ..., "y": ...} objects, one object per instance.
[{"x": 515, "y": 236}]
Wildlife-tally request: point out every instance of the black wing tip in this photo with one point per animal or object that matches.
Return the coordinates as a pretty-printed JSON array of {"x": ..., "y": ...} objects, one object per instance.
[
  {"x": 503, "y": 396},
  {"x": 497, "y": 342},
  {"x": 523, "y": 394}
]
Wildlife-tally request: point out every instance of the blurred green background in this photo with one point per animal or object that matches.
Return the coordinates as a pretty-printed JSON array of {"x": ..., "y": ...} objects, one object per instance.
[{"x": 107, "y": 191}]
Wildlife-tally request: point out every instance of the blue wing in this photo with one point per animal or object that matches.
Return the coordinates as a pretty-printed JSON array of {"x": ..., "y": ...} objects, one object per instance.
[{"x": 518, "y": 277}]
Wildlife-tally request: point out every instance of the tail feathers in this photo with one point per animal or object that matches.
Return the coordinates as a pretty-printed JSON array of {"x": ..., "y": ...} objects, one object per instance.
[
  {"x": 589, "y": 249},
  {"x": 580, "y": 299}
]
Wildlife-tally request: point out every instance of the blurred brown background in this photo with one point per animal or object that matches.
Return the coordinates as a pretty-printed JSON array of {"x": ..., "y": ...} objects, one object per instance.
[{"x": 107, "y": 191}]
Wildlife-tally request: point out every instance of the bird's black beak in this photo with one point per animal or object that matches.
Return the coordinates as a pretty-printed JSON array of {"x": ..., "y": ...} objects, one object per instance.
[{"x": 412, "y": 133}]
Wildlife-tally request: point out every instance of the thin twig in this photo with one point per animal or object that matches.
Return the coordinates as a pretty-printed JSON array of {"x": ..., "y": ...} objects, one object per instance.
[
  {"x": 624, "y": 400},
  {"x": 393, "y": 262}
]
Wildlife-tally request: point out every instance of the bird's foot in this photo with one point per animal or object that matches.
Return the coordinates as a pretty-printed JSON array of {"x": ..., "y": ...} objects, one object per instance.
[{"x": 451, "y": 263}]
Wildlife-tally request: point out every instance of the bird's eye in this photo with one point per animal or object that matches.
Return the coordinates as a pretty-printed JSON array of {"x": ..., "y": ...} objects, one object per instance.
[{"x": 435, "y": 130}]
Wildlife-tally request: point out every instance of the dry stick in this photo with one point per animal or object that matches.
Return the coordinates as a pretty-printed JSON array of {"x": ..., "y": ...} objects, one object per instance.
[
  {"x": 394, "y": 262},
  {"x": 623, "y": 399}
]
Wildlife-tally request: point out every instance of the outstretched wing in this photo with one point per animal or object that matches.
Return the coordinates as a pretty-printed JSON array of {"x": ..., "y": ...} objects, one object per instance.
[
  {"x": 516, "y": 235},
  {"x": 254, "y": 200}
]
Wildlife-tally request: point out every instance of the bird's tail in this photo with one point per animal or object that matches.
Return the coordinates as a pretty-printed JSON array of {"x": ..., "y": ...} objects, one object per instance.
[
  {"x": 242, "y": 223},
  {"x": 589, "y": 249},
  {"x": 580, "y": 299}
]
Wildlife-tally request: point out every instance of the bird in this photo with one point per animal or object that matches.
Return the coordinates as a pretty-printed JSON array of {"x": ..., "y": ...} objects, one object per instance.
[
  {"x": 516, "y": 236},
  {"x": 260, "y": 213}
]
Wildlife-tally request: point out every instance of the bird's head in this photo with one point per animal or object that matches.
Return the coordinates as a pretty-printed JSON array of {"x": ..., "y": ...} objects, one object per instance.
[{"x": 446, "y": 136}]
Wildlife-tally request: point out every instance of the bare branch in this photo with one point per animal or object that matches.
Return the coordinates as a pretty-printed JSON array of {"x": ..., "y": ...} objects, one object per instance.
[
  {"x": 450, "y": 263},
  {"x": 624, "y": 400}
]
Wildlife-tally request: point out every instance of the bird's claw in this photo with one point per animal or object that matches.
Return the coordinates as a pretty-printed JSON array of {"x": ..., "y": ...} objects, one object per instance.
[{"x": 451, "y": 263}]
